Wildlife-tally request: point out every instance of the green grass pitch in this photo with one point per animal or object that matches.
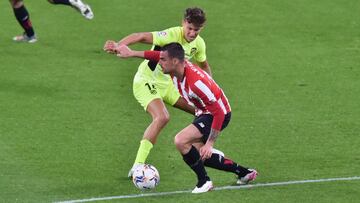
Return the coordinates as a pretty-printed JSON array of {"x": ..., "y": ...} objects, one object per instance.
[{"x": 70, "y": 126}]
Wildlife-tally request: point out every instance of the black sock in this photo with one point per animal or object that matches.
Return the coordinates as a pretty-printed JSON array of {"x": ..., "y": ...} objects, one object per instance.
[
  {"x": 192, "y": 158},
  {"x": 65, "y": 2},
  {"x": 23, "y": 18},
  {"x": 221, "y": 163}
]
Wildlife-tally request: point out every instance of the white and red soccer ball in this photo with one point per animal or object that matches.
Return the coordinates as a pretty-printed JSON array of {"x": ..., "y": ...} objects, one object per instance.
[{"x": 146, "y": 177}]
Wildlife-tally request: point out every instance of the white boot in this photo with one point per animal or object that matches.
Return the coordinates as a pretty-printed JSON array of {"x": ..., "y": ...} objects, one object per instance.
[
  {"x": 133, "y": 169},
  {"x": 25, "y": 38},
  {"x": 84, "y": 9},
  {"x": 204, "y": 188},
  {"x": 247, "y": 178}
]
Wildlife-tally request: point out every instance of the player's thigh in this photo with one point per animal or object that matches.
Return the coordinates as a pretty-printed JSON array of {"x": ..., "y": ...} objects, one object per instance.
[
  {"x": 204, "y": 122},
  {"x": 157, "y": 109},
  {"x": 145, "y": 91},
  {"x": 188, "y": 135}
]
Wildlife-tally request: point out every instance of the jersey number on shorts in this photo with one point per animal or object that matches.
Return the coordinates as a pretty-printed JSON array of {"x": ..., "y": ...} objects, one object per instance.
[{"x": 151, "y": 87}]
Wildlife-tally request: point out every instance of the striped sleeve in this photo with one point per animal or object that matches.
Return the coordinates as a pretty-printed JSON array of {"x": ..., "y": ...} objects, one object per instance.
[{"x": 212, "y": 105}]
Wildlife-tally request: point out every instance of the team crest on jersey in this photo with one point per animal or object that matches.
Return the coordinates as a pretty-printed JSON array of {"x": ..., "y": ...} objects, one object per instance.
[
  {"x": 193, "y": 51},
  {"x": 191, "y": 54},
  {"x": 162, "y": 34}
]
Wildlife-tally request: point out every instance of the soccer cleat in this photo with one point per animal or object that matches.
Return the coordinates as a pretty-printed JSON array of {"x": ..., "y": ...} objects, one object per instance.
[
  {"x": 207, "y": 186},
  {"x": 131, "y": 172},
  {"x": 25, "y": 38},
  {"x": 84, "y": 9},
  {"x": 247, "y": 178}
]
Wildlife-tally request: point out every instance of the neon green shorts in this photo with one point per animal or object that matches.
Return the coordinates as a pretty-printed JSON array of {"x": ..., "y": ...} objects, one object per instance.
[{"x": 147, "y": 87}]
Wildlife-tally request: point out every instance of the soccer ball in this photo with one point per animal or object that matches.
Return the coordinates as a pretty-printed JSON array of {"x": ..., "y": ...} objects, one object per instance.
[{"x": 146, "y": 177}]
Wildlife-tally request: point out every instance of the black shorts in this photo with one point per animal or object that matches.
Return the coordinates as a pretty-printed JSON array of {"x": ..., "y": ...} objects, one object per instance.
[{"x": 204, "y": 121}]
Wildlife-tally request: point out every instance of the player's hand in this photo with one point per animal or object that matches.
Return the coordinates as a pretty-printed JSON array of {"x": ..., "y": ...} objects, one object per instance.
[
  {"x": 206, "y": 151},
  {"x": 124, "y": 51},
  {"x": 110, "y": 46}
]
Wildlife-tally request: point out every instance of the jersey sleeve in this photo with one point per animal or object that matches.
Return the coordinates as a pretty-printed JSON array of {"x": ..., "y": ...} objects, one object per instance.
[
  {"x": 204, "y": 92},
  {"x": 152, "y": 55},
  {"x": 218, "y": 115},
  {"x": 164, "y": 37},
  {"x": 200, "y": 56}
]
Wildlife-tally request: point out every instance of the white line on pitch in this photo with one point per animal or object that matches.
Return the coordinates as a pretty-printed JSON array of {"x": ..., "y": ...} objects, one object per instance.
[{"x": 216, "y": 188}]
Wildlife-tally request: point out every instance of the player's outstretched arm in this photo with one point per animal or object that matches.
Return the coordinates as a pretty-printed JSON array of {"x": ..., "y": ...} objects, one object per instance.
[
  {"x": 125, "y": 52},
  {"x": 142, "y": 37}
]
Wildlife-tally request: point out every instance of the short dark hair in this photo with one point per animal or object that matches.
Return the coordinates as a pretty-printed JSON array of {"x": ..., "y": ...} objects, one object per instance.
[
  {"x": 175, "y": 50},
  {"x": 195, "y": 16}
]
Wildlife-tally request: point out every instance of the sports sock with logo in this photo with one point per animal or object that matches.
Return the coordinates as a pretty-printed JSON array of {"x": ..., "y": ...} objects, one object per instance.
[{"x": 219, "y": 162}]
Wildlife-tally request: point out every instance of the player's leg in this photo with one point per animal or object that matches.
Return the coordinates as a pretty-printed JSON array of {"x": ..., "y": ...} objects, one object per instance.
[
  {"x": 220, "y": 162},
  {"x": 149, "y": 97},
  {"x": 183, "y": 141},
  {"x": 160, "y": 117},
  {"x": 218, "y": 159},
  {"x": 83, "y": 8},
  {"x": 22, "y": 16}
]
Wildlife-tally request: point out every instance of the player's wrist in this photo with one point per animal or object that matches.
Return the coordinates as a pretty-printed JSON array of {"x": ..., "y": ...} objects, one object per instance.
[
  {"x": 139, "y": 54},
  {"x": 210, "y": 143}
]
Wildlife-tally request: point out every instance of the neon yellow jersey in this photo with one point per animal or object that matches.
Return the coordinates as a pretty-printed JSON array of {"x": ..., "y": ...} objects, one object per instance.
[{"x": 195, "y": 50}]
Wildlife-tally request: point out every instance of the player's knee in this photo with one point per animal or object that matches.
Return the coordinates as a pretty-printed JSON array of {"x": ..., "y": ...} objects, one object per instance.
[
  {"x": 162, "y": 119},
  {"x": 179, "y": 142}
]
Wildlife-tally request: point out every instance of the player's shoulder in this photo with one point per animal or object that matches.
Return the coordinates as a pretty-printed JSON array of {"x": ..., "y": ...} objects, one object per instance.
[
  {"x": 166, "y": 36},
  {"x": 200, "y": 39},
  {"x": 175, "y": 29},
  {"x": 172, "y": 30},
  {"x": 200, "y": 42},
  {"x": 193, "y": 72}
]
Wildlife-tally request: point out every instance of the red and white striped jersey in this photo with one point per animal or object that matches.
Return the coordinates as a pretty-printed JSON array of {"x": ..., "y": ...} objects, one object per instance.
[{"x": 201, "y": 91}]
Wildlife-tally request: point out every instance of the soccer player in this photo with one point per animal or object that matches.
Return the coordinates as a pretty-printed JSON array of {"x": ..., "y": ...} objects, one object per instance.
[
  {"x": 23, "y": 17},
  {"x": 213, "y": 113},
  {"x": 151, "y": 87}
]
